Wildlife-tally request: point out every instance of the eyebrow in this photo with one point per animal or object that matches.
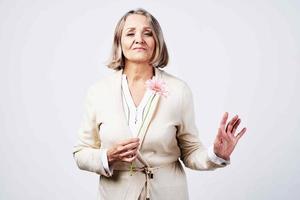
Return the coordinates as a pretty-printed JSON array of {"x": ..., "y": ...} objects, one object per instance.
[{"x": 133, "y": 28}]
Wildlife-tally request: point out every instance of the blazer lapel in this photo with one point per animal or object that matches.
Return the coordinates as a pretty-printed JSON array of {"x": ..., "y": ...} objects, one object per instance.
[
  {"x": 150, "y": 110},
  {"x": 150, "y": 113}
]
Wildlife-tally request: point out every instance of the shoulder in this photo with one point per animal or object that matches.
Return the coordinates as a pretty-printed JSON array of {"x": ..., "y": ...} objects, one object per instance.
[
  {"x": 173, "y": 82},
  {"x": 104, "y": 83},
  {"x": 102, "y": 88},
  {"x": 178, "y": 90}
]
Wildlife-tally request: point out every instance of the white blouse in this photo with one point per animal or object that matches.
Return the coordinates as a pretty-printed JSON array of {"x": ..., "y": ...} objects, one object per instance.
[{"x": 135, "y": 117}]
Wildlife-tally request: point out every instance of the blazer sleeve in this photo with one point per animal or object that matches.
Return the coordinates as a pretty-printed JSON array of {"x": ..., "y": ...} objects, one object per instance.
[
  {"x": 193, "y": 153},
  {"x": 87, "y": 152}
]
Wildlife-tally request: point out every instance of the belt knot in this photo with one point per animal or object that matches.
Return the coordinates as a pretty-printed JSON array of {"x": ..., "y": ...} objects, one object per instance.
[{"x": 148, "y": 171}]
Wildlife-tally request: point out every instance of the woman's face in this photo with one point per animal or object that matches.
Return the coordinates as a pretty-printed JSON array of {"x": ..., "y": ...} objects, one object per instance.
[{"x": 137, "y": 39}]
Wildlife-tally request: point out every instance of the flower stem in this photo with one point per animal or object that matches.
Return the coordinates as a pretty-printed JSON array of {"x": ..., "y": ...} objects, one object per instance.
[{"x": 132, "y": 168}]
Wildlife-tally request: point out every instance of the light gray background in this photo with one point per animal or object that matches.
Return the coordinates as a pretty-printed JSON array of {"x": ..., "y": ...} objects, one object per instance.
[{"x": 237, "y": 56}]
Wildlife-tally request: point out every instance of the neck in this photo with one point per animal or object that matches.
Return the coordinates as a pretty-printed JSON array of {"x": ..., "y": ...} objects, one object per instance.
[{"x": 137, "y": 72}]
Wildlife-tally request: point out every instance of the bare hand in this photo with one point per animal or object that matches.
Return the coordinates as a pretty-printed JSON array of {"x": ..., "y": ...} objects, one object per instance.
[
  {"x": 226, "y": 139},
  {"x": 125, "y": 151}
]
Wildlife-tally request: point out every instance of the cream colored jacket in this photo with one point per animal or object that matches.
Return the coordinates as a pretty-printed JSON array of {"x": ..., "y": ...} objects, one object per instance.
[{"x": 168, "y": 135}]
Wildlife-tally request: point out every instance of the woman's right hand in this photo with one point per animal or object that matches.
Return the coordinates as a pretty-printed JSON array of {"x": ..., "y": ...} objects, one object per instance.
[{"x": 125, "y": 151}]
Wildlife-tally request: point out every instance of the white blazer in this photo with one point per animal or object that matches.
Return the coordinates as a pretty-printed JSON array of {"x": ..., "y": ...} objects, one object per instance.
[{"x": 168, "y": 135}]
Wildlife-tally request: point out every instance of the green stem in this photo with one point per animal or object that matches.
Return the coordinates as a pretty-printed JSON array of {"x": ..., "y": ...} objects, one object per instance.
[{"x": 132, "y": 167}]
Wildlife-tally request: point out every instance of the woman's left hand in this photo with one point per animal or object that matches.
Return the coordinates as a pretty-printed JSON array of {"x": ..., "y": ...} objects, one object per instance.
[{"x": 226, "y": 139}]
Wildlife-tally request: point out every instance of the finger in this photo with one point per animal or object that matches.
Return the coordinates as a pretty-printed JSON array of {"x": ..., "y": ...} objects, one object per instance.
[
  {"x": 226, "y": 136},
  {"x": 231, "y": 123},
  {"x": 241, "y": 133},
  {"x": 121, "y": 148},
  {"x": 231, "y": 128},
  {"x": 219, "y": 134},
  {"x": 126, "y": 159},
  {"x": 128, "y": 141},
  {"x": 128, "y": 153},
  {"x": 131, "y": 146},
  {"x": 235, "y": 126},
  {"x": 223, "y": 121}
]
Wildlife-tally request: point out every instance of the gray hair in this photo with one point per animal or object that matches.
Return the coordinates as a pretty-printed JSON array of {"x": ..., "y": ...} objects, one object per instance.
[{"x": 161, "y": 56}]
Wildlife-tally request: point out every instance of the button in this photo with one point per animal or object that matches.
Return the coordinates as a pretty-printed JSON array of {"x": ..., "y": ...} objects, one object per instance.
[{"x": 151, "y": 175}]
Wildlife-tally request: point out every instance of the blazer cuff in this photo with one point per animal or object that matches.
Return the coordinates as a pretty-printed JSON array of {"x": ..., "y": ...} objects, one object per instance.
[
  {"x": 215, "y": 159},
  {"x": 103, "y": 156}
]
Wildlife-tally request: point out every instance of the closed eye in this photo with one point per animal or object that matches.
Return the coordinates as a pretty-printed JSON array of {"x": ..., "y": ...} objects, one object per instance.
[{"x": 149, "y": 34}]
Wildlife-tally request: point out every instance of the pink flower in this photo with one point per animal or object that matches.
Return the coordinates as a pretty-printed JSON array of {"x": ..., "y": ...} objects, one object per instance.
[{"x": 158, "y": 86}]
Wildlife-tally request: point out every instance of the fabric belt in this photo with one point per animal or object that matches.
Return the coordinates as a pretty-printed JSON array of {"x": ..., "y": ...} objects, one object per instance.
[{"x": 148, "y": 171}]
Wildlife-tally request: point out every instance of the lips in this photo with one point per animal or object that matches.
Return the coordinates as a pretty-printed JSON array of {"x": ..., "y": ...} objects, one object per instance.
[{"x": 139, "y": 48}]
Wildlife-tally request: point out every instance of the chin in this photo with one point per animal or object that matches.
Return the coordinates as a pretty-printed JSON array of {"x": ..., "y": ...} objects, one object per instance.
[{"x": 139, "y": 60}]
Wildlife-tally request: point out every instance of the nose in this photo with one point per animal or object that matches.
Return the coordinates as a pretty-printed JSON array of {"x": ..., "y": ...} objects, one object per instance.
[{"x": 138, "y": 39}]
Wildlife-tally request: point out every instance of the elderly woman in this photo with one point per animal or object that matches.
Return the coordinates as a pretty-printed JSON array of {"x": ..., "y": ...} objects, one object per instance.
[{"x": 139, "y": 121}]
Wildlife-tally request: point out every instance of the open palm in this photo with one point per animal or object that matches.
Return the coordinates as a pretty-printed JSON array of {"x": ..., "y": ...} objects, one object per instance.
[{"x": 226, "y": 138}]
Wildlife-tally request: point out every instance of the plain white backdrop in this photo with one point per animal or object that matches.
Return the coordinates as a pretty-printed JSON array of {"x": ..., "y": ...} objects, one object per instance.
[{"x": 237, "y": 56}]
